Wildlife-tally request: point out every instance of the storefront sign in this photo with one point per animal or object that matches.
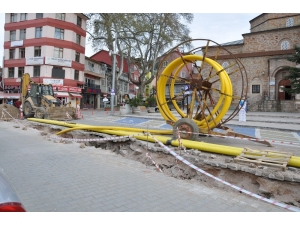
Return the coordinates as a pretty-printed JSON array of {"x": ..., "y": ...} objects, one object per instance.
[
  {"x": 93, "y": 90},
  {"x": 58, "y": 61},
  {"x": 16, "y": 43},
  {"x": 66, "y": 89},
  {"x": 35, "y": 61},
  {"x": 75, "y": 89},
  {"x": 54, "y": 82},
  {"x": 11, "y": 87}
]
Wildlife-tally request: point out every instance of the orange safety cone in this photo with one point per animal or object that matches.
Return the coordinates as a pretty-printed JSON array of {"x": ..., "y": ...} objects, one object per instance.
[
  {"x": 92, "y": 111},
  {"x": 82, "y": 116},
  {"x": 106, "y": 111}
]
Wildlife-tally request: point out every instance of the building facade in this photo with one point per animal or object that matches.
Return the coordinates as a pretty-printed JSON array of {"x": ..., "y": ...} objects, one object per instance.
[
  {"x": 272, "y": 37},
  {"x": 48, "y": 46},
  {"x": 122, "y": 81},
  {"x": 94, "y": 83}
]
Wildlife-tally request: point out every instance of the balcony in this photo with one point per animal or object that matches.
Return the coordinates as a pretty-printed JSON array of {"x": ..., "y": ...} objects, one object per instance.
[{"x": 95, "y": 86}]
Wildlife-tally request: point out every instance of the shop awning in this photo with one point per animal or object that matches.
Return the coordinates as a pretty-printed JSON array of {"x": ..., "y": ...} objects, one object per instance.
[
  {"x": 76, "y": 95},
  {"x": 9, "y": 95},
  {"x": 61, "y": 94}
]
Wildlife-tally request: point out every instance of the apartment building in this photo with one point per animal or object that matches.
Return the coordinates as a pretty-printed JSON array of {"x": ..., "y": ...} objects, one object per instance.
[{"x": 48, "y": 46}]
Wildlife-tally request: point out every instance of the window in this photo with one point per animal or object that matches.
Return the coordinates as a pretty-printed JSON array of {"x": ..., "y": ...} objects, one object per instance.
[
  {"x": 165, "y": 63},
  {"x": 58, "y": 52},
  {"x": 22, "y": 53},
  {"x": 77, "y": 56},
  {"x": 11, "y": 53},
  {"x": 76, "y": 75},
  {"x": 59, "y": 33},
  {"x": 37, "y": 51},
  {"x": 39, "y": 15},
  {"x": 23, "y": 34},
  {"x": 79, "y": 21},
  {"x": 60, "y": 16},
  {"x": 11, "y": 72},
  {"x": 38, "y": 32},
  {"x": 13, "y": 17},
  {"x": 103, "y": 82},
  {"x": 12, "y": 35},
  {"x": 285, "y": 45},
  {"x": 37, "y": 71},
  {"x": 20, "y": 71},
  {"x": 290, "y": 22},
  {"x": 23, "y": 16},
  {"x": 182, "y": 74},
  {"x": 256, "y": 88},
  {"x": 225, "y": 65},
  {"x": 91, "y": 66},
  {"x": 77, "y": 39}
]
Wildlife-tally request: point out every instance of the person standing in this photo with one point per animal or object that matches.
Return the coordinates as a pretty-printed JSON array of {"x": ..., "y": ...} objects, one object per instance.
[{"x": 242, "y": 112}]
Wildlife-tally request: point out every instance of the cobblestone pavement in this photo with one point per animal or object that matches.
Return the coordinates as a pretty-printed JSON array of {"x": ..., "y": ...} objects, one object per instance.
[{"x": 61, "y": 177}]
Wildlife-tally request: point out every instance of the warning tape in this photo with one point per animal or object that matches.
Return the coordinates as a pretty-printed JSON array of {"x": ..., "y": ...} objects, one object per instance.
[
  {"x": 249, "y": 139},
  {"x": 179, "y": 140},
  {"x": 224, "y": 182},
  {"x": 89, "y": 139},
  {"x": 4, "y": 110},
  {"x": 148, "y": 155}
]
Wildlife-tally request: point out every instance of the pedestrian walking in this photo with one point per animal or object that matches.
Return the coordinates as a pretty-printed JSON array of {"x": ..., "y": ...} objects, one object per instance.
[{"x": 242, "y": 112}]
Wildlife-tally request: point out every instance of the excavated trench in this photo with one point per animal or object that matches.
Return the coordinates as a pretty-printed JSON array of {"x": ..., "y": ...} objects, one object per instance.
[{"x": 282, "y": 186}]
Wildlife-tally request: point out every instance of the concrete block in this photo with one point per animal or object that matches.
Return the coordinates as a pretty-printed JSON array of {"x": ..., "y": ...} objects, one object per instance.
[
  {"x": 214, "y": 164},
  {"x": 203, "y": 156},
  {"x": 258, "y": 173},
  {"x": 228, "y": 160},
  {"x": 271, "y": 176},
  {"x": 279, "y": 176},
  {"x": 223, "y": 165},
  {"x": 296, "y": 178},
  {"x": 288, "y": 177},
  {"x": 233, "y": 166},
  {"x": 212, "y": 156},
  {"x": 292, "y": 169}
]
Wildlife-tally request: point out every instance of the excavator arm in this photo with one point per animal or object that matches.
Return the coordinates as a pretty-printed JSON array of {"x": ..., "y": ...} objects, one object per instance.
[{"x": 25, "y": 81}]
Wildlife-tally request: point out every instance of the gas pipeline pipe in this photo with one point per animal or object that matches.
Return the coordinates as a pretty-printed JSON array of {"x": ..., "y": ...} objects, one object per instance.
[{"x": 219, "y": 149}]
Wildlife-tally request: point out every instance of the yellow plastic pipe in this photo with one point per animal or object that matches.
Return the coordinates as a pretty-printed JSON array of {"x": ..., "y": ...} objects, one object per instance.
[
  {"x": 219, "y": 149},
  {"x": 222, "y": 105}
]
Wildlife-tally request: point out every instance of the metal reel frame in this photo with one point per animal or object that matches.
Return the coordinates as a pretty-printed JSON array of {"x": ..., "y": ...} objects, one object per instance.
[{"x": 208, "y": 85}]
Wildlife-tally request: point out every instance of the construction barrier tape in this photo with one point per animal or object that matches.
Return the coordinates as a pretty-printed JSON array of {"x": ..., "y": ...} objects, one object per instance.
[
  {"x": 291, "y": 208},
  {"x": 179, "y": 140},
  {"x": 148, "y": 155}
]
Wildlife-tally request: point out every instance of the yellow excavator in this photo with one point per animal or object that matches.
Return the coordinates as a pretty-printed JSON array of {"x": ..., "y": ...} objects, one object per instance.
[{"x": 39, "y": 101}]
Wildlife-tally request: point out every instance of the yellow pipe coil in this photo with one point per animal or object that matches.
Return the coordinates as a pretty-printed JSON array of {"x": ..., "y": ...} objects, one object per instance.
[
  {"x": 219, "y": 149},
  {"x": 223, "y": 103}
]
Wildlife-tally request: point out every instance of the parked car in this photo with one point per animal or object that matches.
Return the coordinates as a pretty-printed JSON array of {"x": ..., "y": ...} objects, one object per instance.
[{"x": 9, "y": 199}]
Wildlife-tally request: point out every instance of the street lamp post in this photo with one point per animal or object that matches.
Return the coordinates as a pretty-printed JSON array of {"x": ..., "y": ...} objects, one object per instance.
[{"x": 112, "y": 92}]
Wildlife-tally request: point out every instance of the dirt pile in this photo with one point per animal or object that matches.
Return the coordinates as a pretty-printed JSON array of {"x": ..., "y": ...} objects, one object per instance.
[{"x": 9, "y": 112}]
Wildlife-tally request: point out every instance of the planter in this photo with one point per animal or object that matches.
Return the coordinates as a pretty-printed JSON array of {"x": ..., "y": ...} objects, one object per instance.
[
  {"x": 123, "y": 110},
  {"x": 136, "y": 110},
  {"x": 151, "y": 109}
]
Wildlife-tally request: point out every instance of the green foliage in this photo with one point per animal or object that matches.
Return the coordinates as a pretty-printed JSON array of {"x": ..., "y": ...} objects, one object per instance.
[
  {"x": 150, "y": 102},
  {"x": 136, "y": 101},
  {"x": 294, "y": 73}
]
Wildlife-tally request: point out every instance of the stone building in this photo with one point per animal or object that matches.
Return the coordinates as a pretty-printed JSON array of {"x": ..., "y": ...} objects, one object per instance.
[{"x": 272, "y": 37}]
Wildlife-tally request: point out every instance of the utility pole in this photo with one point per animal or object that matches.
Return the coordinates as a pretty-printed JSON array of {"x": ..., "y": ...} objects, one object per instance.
[{"x": 113, "y": 91}]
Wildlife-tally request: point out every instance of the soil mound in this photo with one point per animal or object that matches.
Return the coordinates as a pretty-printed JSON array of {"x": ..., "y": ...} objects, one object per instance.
[{"x": 9, "y": 112}]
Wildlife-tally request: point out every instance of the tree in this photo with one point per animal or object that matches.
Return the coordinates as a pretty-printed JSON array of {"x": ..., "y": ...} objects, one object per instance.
[
  {"x": 294, "y": 73},
  {"x": 142, "y": 37}
]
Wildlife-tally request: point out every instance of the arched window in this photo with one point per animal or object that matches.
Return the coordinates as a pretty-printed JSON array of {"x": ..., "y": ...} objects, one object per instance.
[
  {"x": 165, "y": 63},
  {"x": 225, "y": 65},
  {"x": 290, "y": 22},
  {"x": 285, "y": 45}
]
